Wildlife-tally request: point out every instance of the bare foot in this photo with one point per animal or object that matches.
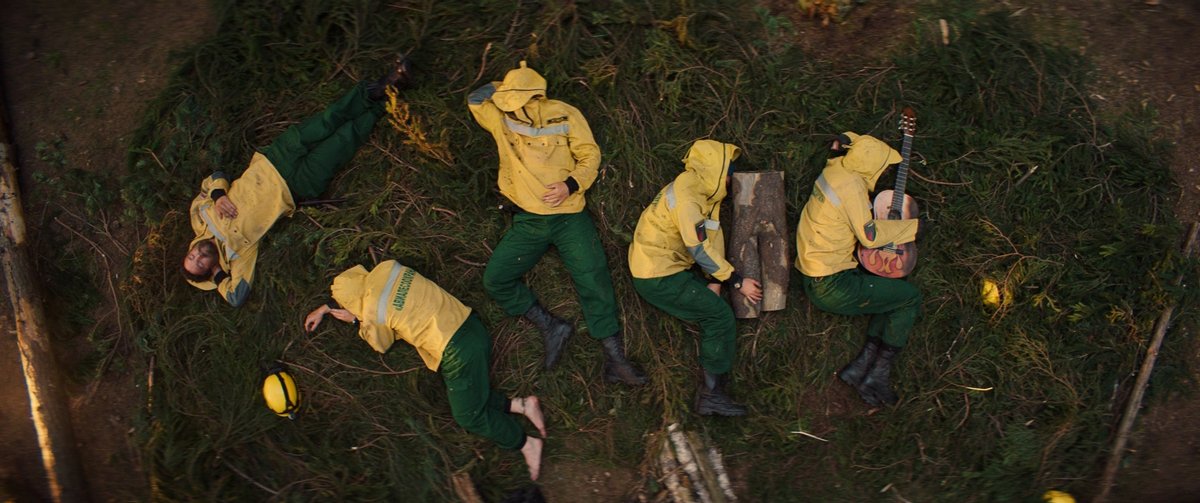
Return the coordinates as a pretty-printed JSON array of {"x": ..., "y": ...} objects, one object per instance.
[
  {"x": 533, "y": 456},
  {"x": 531, "y": 408}
]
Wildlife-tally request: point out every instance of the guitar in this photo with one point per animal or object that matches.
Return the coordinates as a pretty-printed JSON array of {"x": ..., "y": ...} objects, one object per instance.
[{"x": 895, "y": 261}]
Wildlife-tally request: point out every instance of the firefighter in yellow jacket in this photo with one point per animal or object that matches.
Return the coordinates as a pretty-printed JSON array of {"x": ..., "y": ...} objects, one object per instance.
[
  {"x": 548, "y": 159},
  {"x": 392, "y": 302},
  {"x": 679, "y": 229},
  {"x": 229, "y": 218},
  {"x": 836, "y": 218}
]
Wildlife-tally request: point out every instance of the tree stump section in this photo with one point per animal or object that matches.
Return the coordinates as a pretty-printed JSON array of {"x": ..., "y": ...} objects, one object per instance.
[{"x": 758, "y": 243}]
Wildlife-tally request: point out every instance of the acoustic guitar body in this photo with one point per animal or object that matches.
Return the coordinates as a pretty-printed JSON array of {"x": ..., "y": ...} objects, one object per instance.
[{"x": 896, "y": 261}]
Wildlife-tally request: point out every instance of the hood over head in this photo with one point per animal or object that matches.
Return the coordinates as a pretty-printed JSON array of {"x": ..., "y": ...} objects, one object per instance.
[
  {"x": 868, "y": 157},
  {"x": 348, "y": 289},
  {"x": 709, "y": 160},
  {"x": 519, "y": 86}
]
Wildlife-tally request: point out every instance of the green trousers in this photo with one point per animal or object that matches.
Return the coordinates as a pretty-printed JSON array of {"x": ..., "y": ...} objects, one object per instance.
[
  {"x": 893, "y": 304},
  {"x": 687, "y": 297},
  {"x": 476, "y": 406},
  {"x": 575, "y": 237},
  {"x": 310, "y": 153}
]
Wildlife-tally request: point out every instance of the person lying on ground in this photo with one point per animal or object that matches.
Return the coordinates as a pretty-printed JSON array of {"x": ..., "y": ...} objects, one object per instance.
[
  {"x": 835, "y": 219},
  {"x": 681, "y": 229},
  {"x": 392, "y": 302},
  {"x": 230, "y": 218},
  {"x": 548, "y": 159}
]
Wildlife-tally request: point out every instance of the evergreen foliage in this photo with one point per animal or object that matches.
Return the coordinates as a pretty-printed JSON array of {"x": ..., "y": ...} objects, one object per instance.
[{"x": 1024, "y": 181}]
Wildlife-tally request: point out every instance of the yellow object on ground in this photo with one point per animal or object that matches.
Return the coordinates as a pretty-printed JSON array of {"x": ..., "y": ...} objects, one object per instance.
[
  {"x": 995, "y": 296},
  {"x": 279, "y": 390},
  {"x": 1053, "y": 496}
]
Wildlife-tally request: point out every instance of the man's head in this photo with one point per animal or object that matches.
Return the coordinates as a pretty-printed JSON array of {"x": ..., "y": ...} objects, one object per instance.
[{"x": 201, "y": 261}]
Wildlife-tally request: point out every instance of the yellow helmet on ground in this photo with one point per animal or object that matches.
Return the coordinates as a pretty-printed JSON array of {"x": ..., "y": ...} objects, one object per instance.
[
  {"x": 1053, "y": 496},
  {"x": 279, "y": 390}
]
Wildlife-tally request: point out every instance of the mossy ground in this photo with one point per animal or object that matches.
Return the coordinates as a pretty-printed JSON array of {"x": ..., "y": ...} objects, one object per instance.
[{"x": 1023, "y": 180}]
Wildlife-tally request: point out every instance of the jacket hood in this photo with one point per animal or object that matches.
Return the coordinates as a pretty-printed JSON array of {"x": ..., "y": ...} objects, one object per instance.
[
  {"x": 348, "y": 289},
  {"x": 868, "y": 157},
  {"x": 518, "y": 87},
  {"x": 709, "y": 161}
]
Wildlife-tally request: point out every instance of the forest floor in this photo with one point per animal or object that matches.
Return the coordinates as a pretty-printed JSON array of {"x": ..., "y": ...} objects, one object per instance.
[{"x": 78, "y": 76}]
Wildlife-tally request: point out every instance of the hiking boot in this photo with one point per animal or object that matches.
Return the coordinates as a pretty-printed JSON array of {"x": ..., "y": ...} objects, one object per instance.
[
  {"x": 854, "y": 372},
  {"x": 554, "y": 330},
  {"x": 616, "y": 367},
  {"x": 398, "y": 77},
  {"x": 712, "y": 400},
  {"x": 876, "y": 389}
]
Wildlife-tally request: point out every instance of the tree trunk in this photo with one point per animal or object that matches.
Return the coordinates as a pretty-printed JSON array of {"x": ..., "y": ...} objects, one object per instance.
[
  {"x": 758, "y": 243},
  {"x": 47, "y": 400}
]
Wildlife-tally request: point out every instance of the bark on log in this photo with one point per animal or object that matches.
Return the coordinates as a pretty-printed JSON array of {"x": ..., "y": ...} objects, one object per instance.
[
  {"x": 47, "y": 400},
  {"x": 759, "y": 243}
]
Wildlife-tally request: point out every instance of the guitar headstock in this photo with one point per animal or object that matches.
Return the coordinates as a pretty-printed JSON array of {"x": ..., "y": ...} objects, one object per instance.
[{"x": 908, "y": 121}]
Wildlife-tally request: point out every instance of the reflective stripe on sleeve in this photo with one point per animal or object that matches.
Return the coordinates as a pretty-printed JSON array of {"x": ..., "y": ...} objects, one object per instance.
[
  {"x": 828, "y": 191},
  {"x": 386, "y": 295}
]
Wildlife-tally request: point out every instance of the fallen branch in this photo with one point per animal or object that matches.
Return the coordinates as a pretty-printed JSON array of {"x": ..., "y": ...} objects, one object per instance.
[
  {"x": 1139, "y": 388},
  {"x": 47, "y": 400}
]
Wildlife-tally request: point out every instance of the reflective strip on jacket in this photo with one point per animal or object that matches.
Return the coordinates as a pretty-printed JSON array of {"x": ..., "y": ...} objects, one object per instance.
[
  {"x": 542, "y": 143},
  {"x": 838, "y": 213},
  {"x": 681, "y": 227},
  {"x": 261, "y": 196},
  {"x": 394, "y": 302}
]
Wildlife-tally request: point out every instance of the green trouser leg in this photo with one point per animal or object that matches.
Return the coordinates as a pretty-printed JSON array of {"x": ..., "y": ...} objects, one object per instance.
[
  {"x": 476, "y": 406},
  {"x": 309, "y": 154},
  {"x": 685, "y": 296},
  {"x": 575, "y": 237},
  {"x": 893, "y": 304}
]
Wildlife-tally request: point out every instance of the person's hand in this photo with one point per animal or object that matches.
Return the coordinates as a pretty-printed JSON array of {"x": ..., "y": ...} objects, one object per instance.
[
  {"x": 555, "y": 194},
  {"x": 343, "y": 315},
  {"x": 314, "y": 318},
  {"x": 751, "y": 289},
  {"x": 226, "y": 208},
  {"x": 715, "y": 287}
]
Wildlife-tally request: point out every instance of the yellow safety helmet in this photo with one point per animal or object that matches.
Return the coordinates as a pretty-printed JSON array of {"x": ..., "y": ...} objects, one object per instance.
[
  {"x": 1053, "y": 496},
  {"x": 279, "y": 390}
]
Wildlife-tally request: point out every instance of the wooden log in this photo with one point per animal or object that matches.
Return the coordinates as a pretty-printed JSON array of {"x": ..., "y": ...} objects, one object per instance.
[
  {"x": 464, "y": 488},
  {"x": 1139, "y": 387},
  {"x": 47, "y": 400},
  {"x": 759, "y": 240}
]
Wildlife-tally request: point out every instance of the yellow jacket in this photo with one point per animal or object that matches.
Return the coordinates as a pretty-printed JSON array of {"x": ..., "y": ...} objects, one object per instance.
[
  {"x": 540, "y": 141},
  {"x": 838, "y": 214},
  {"x": 394, "y": 302},
  {"x": 681, "y": 226},
  {"x": 261, "y": 197}
]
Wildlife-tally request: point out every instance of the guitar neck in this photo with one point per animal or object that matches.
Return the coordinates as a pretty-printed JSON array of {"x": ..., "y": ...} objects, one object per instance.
[{"x": 902, "y": 173}]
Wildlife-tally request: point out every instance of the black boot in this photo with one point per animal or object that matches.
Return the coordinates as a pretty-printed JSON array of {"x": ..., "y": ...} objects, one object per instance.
[
  {"x": 616, "y": 367},
  {"x": 712, "y": 400},
  {"x": 398, "y": 77},
  {"x": 854, "y": 372},
  {"x": 554, "y": 330},
  {"x": 876, "y": 389}
]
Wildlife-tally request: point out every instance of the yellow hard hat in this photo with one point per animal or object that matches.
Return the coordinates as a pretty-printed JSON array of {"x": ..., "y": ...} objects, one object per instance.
[
  {"x": 1053, "y": 496},
  {"x": 279, "y": 390}
]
